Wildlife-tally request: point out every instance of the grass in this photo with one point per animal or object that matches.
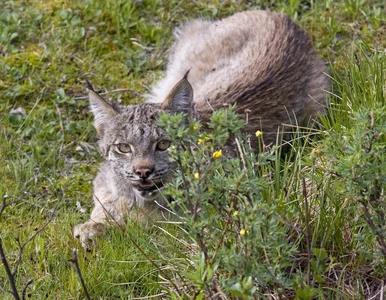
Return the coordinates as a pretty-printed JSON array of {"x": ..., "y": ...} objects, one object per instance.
[{"x": 49, "y": 157}]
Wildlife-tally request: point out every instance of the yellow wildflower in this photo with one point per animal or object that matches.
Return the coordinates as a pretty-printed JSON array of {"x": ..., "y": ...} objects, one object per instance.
[
  {"x": 243, "y": 232},
  {"x": 258, "y": 133},
  {"x": 195, "y": 127},
  {"x": 196, "y": 175},
  {"x": 235, "y": 213},
  {"x": 217, "y": 154},
  {"x": 315, "y": 151},
  {"x": 205, "y": 139}
]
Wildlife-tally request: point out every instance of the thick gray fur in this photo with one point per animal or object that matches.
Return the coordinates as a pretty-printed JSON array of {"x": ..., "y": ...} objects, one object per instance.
[{"x": 261, "y": 61}]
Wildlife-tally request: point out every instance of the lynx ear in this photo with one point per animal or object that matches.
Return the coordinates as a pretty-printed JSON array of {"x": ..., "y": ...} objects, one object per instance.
[
  {"x": 180, "y": 98},
  {"x": 103, "y": 111}
]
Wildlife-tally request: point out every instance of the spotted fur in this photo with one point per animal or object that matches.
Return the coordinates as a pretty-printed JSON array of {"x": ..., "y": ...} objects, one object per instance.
[{"x": 261, "y": 61}]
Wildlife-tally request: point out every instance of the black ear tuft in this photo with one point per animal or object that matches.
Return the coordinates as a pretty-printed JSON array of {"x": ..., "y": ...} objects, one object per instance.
[
  {"x": 89, "y": 86},
  {"x": 102, "y": 110},
  {"x": 186, "y": 75},
  {"x": 180, "y": 98}
]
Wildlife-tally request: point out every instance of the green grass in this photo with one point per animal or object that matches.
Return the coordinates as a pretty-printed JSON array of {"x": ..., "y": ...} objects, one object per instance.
[{"x": 48, "y": 48}]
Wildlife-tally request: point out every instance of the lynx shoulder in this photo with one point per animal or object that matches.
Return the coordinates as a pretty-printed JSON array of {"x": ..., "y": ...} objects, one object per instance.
[{"x": 260, "y": 61}]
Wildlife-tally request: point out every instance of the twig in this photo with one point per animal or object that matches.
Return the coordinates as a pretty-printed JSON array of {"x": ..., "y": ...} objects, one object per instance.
[
  {"x": 220, "y": 243},
  {"x": 380, "y": 294},
  {"x": 3, "y": 204},
  {"x": 379, "y": 236},
  {"x": 273, "y": 277},
  {"x": 61, "y": 127},
  {"x": 202, "y": 245},
  {"x": 10, "y": 276},
  {"x": 25, "y": 288},
  {"x": 113, "y": 91},
  {"x": 308, "y": 232},
  {"x": 137, "y": 246},
  {"x": 236, "y": 190},
  {"x": 186, "y": 182},
  {"x": 241, "y": 153},
  {"x": 33, "y": 108},
  {"x": 75, "y": 261},
  {"x": 288, "y": 223},
  {"x": 22, "y": 246}
]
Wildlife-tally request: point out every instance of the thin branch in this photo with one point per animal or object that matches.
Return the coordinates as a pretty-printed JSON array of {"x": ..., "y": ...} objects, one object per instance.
[
  {"x": 25, "y": 288},
  {"x": 379, "y": 236},
  {"x": 288, "y": 223},
  {"x": 202, "y": 245},
  {"x": 10, "y": 276},
  {"x": 33, "y": 108},
  {"x": 136, "y": 245},
  {"x": 306, "y": 208},
  {"x": 114, "y": 91},
  {"x": 220, "y": 243},
  {"x": 3, "y": 204},
  {"x": 241, "y": 153},
  {"x": 234, "y": 199},
  {"x": 185, "y": 181},
  {"x": 273, "y": 277},
  {"x": 22, "y": 246},
  {"x": 75, "y": 261}
]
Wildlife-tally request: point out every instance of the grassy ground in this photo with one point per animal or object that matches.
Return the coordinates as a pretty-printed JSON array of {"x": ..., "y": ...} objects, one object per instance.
[{"x": 49, "y": 157}]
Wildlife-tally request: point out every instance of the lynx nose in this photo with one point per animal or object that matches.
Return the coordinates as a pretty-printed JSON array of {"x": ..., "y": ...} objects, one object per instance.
[{"x": 144, "y": 172}]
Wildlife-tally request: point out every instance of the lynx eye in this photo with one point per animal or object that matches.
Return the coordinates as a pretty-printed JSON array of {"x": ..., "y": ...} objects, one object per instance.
[
  {"x": 163, "y": 145},
  {"x": 124, "y": 148}
]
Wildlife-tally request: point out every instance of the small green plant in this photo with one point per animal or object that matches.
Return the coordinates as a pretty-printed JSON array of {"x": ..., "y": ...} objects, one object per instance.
[
  {"x": 48, "y": 155},
  {"x": 359, "y": 164},
  {"x": 263, "y": 223},
  {"x": 242, "y": 236}
]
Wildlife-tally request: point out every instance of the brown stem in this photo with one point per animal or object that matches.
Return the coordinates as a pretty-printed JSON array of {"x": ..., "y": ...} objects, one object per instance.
[
  {"x": 3, "y": 204},
  {"x": 22, "y": 246},
  {"x": 379, "y": 236},
  {"x": 75, "y": 261},
  {"x": 202, "y": 245},
  {"x": 219, "y": 244},
  {"x": 306, "y": 208},
  {"x": 25, "y": 288},
  {"x": 10, "y": 276}
]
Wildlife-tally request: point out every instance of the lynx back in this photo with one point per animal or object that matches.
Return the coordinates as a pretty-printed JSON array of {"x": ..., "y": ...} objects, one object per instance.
[{"x": 260, "y": 61}]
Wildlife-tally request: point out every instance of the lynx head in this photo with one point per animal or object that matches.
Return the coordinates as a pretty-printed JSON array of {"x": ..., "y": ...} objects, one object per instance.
[{"x": 132, "y": 143}]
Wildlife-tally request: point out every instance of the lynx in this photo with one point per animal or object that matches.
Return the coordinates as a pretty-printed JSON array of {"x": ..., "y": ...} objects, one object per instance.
[{"x": 260, "y": 61}]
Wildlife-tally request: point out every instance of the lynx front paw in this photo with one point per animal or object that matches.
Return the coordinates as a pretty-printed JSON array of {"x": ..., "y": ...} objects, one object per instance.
[{"x": 87, "y": 232}]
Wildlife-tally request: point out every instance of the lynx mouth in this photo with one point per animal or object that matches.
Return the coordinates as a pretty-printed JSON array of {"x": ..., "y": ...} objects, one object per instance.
[{"x": 147, "y": 186}]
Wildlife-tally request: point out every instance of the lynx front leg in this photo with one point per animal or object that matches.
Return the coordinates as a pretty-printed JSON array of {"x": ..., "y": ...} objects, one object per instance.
[
  {"x": 104, "y": 214},
  {"x": 87, "y": 232}
]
